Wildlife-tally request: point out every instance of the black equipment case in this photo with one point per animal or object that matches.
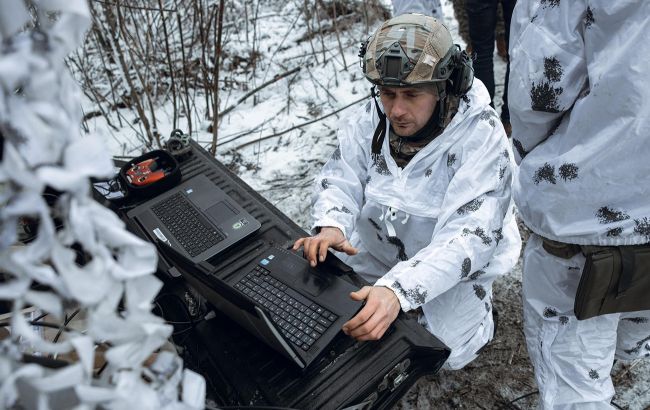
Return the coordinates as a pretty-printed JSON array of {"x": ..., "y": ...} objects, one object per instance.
[{"x": 241, "y": 371}]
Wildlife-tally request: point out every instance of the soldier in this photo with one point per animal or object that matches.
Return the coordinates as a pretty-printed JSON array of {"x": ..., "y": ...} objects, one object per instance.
[
  {"x": 482, "y": 22},
  {"x": 463, "y": 28},
  {"x": 581, "y": 126},
  {"x": 416, "y": 198}
]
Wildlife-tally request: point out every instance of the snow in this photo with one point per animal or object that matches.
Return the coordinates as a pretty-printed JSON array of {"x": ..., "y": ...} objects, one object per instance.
[{"x": 282, "y": 168}]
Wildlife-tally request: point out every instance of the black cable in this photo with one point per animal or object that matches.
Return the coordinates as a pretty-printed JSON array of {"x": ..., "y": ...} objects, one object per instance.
[
  {"x": 33, "y": 235},
  {"x": 101, "y": 369},
  {"x": 180, "y": 332},
  {"x": 33, "y": 321},
  {"x": 127, "y": 207},
  {"x": 255, "y": 408},
  {"x": 103, "y": 191},
  {"x": 65, "y": 323},
  {"x": 171, "y": 322},
  {"x": 180, "y": 301},
  {"x": 524, "y": 396},
  {"x": 114, "y": 185},
  {"x": 42, "y": 324},
  {"x": 39, "y": 317}
]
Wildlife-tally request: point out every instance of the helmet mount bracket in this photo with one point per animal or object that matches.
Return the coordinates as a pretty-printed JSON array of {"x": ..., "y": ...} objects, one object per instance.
[{"x": 394, "y": 65}]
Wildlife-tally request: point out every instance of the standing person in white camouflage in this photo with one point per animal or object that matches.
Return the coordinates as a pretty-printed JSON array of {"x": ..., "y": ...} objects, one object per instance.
[
  {"x": 580, "y": 110},
  {"x": 431, "y": 8},
  {"x": 416, "y": 198}
]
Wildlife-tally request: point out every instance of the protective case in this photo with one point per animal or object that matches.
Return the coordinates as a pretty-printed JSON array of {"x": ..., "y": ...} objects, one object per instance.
[
  {"x": 614, "y": 279},
  {"x": 140, "y": 181},
  {"x": 242, "y": 371}
]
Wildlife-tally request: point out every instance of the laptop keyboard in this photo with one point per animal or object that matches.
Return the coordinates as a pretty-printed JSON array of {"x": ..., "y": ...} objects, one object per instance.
[
  {"x": 300, "y": 320},
  {"x": 183, "y": 221}
]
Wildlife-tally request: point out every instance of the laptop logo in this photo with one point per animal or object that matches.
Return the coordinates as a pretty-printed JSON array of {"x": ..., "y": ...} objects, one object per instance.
[
  {"x": 160, "y": 235},
  {"x": 240, "y": 224},
  {"x": 189, "y": 191}
]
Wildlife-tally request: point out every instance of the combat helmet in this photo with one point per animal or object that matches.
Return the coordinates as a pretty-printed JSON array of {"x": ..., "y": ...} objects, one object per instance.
[{"x": 414, "y": 49}]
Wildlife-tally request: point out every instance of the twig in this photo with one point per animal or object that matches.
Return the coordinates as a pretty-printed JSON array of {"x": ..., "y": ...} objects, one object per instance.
[
  {"x": 65, "y": 324},
  {"x": 514, "y": 352},
  {"x": 617, "y": 377},
  {"x": 290, "y": 30},
  {"x": 130, "y": 7},
  {"x": 188, "y": 112},
  {"x": 320, "y": 31},
  {"x": 96, "y": 96},
  {"x": 231, "y": 24},
  {"x": 329, "y": 94},
  {"x": 112, "y": 87},
  {"x": 338, "y": 37},
  {"x": 256, "y": 89},
  {"x": 303, "y": 55},
  {"x": 138, "y": 51},
  {"x": 117, "y": 50},
  {"x": 301, "y": 125},
  {"x": 169, "y": 63},
  {"x": 524, "y": 396},
  {"x": 215, "y": 118},
  {"x": 310, "y": 33},
  {"x": 259, "y": 128}
]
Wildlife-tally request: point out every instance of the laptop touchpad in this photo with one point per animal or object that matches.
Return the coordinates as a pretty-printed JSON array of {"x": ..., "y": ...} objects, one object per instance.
[
  {"x": 220, "y": 212},
  {"x": 309, "y": 280}
]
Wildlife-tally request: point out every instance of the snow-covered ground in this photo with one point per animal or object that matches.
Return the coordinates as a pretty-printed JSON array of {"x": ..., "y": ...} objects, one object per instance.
[{"x": 264, "y": 140}]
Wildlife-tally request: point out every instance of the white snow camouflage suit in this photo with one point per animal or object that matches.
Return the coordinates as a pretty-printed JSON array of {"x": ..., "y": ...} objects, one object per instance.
[
  {"x": 431, "y": 8},
  {"x": 437, "y": 232},
  {"x": 580, "y": 111}
]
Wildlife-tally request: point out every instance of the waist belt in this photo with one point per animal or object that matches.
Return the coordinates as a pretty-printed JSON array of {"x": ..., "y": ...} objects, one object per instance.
[
  {"x": 614, "y": 278},
  {"x": 561, "y": 249},
  {"x": 569, "y": 250}
]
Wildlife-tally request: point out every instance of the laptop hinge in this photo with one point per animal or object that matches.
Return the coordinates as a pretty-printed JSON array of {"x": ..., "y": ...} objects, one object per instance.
[{"x": 280, "y": 339}]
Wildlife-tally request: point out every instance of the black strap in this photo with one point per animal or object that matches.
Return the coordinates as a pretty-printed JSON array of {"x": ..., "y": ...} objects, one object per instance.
[
  {"x": 560, "y": 249},
  {"x": 380, "y": 131},
  {"x": 627, "y": 270}
]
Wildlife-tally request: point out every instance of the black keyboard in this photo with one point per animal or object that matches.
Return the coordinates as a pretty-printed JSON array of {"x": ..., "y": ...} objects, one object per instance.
[
  {"x": 185, "y": 223},
  {"x": 300, "y": 320}
]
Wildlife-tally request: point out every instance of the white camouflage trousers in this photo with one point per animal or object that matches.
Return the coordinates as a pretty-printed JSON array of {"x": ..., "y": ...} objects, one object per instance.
[{"x": 573, "y": 358}]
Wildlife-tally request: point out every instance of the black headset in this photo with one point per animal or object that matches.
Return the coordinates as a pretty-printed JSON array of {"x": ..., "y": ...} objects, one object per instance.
[
  {"x": 458, "y": 83},
  {"x": 462, "y": 75}
]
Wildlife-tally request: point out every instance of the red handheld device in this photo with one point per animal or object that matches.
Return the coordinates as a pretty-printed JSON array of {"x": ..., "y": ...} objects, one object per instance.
[{"x": 145, "y": 172}]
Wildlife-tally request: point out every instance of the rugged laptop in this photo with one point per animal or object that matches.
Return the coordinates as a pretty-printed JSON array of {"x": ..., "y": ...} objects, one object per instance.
[
  {"x": 196, "y": 217},
  {"x": 292, "y": 307}
]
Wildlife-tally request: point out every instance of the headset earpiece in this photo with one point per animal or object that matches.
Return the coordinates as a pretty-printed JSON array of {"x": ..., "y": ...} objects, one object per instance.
[{"x": 462, "y": 76}]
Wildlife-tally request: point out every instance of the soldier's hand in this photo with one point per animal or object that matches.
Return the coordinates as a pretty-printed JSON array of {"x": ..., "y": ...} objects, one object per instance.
[
  {"x": 372, "y": 321},
  {"x": 315, "y": 247}
]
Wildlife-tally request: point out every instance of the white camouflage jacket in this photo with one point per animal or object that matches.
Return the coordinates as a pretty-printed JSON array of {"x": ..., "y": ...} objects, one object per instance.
[
  {"x": 580, "y": 110},
  {"x": 436, "y": 232}
]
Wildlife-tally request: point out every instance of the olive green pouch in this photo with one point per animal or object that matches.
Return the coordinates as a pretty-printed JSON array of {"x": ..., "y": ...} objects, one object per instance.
[{"x": 614, "y": 279}]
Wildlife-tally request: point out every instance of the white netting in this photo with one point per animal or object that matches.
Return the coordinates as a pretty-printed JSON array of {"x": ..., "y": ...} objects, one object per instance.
[{"x": 81, "y": 256}]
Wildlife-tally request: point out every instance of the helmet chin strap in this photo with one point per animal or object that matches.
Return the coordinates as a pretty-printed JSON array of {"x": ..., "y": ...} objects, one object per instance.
[
  {"x": 380, "y": 131},
  {"x": 442, "y": 103}
]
